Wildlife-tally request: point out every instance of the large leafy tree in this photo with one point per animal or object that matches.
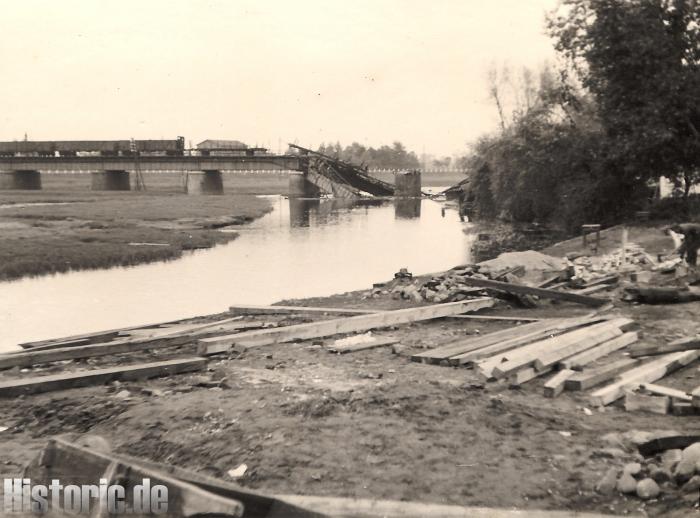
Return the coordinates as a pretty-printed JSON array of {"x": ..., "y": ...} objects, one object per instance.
[{"x": 640, "y": 59}]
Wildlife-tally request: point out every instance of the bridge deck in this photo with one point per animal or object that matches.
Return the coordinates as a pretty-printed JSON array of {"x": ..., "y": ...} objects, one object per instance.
[{"x": 151, "y": 163}]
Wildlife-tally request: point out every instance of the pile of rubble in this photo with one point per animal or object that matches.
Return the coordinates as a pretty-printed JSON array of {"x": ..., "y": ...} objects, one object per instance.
[
  {"x": 647, "y": 477},
  {"x": 450, "y": 286}
]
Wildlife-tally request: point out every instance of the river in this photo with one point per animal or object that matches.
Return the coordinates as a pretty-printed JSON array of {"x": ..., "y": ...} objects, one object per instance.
[{"x": 302, "y": 248}]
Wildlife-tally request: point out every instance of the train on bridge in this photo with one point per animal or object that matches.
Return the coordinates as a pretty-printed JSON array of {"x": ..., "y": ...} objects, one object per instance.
[{"x": 125, "y": 148}]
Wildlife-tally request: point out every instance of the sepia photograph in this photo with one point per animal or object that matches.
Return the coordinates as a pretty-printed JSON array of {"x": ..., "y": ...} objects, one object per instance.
[{"x": 350, "y": 259}]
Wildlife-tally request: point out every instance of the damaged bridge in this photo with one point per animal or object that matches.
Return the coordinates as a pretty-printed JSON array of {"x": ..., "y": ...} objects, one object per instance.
[{"x": 324, "y": 174}]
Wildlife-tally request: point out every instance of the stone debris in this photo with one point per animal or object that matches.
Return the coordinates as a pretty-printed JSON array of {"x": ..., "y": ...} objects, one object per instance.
[
  {"x": 647, "y": 489},
  {"x": 667, "y": 471}
]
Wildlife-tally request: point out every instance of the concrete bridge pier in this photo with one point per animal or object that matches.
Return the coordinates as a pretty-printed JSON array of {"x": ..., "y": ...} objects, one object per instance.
[
  {"x": 204, "y": 182},
  {"x": 407, "y": 184},
  {"x": 407, "y": 208},
  {"x": 300, "y": 187},
  {"x": 20, "y": 180},
  {"x": 110, "y": 180}
]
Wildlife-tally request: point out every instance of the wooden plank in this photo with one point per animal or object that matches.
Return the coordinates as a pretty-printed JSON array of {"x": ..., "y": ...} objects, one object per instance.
[
  {"x": 646, "y": 373},
  {"x": 523, "y": 376},
  {"x": 683, "y": 344},
  {"x": 106, "y": 336},
  {"x": 92, "y": 336},
  {"x": 503, "y": 347},
  {"x": 592, "y": 377},
  {"x": 586, "y": 341},
  {"x": 332, "y": 327},
  {"x": 666, "y": 391},
  {"x": 526, "y": 356},
  {"x": 529, "y": 290},
  {"x": 551, "y": 280},
  {"x": 290, "y": 310},
  {"x": 647, "y": 403},
  {"x": 593, "y": 289},
  {"x": 126, "y": 345},
  {"x": 337, "y": 507},
  {"x": 555, "y": 385},
  {"x": 58, "y": 461},
  {"x": 351, "y": 348},
  {"x": 476, "y": 353},
  {"x": 695, "y": 397},
  {"x": 37, "y": 384},
  {"x": 499, "y": 317},
  {"x": 584, "y": 358},
  {"x": 608, "y": 279},
  {"x": 471, "y": 343}
]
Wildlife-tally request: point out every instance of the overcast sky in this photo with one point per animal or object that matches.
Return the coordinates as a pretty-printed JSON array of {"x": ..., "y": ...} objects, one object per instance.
[{"x": 264, "y": 72}]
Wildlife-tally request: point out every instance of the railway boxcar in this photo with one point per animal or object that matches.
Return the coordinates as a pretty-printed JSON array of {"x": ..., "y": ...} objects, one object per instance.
[{"x": 174, "y": 147}]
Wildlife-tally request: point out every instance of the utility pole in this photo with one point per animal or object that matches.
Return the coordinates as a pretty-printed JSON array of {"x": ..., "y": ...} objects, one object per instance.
[{"x": 140, "y": 183}]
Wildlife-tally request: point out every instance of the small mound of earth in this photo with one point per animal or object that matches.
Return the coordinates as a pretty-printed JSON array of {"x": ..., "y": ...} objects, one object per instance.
[{"x": 534, "y": 262}]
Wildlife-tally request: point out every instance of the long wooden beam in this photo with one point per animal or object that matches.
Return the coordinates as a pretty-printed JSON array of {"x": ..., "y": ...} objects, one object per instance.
[
  {"x": 647, "y": 373},
  {"x": 243, "y": 341},
  {"x": 526, "y": 356},
  {"x": 37, "y": 384},
  {"x": 683, "y": 344},
  {"x": 592, "y": 377},
  {"x": 290, "y": 310},
  {"x": 59, "y": 461},
  {"x": 666, "y": 391},
  {"x": 498, "y": 350},
  {"x": 464, "y": 345},
  {"x": 530, "y": 290},
  {"x": 125, "y": 345},
  {"x": 583, "y": 358},
  {"x": 550, "y": 358},
  {"x": 287, "y": 310}
]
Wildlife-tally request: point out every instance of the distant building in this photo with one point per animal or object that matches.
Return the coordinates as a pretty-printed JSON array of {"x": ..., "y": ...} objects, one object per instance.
[{"x": 222, "y": 145}]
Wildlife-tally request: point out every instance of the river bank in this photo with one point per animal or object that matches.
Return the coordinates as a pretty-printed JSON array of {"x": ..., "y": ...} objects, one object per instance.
[
  {"x": 463, "y": 441},
  {"x": 49, "y": 232}
]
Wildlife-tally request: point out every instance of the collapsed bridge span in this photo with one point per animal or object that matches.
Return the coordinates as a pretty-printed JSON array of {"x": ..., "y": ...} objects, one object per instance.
[{"x": 340, "y": 178}]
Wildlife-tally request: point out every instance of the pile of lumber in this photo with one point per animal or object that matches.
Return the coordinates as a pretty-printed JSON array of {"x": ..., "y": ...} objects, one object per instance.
[
  {"x": 204, "y": 339},
  {"x": 569, "y": 350}
]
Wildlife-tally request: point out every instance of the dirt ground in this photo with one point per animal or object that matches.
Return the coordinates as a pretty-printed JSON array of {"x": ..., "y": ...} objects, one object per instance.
[{"x": 373, "y": 424}]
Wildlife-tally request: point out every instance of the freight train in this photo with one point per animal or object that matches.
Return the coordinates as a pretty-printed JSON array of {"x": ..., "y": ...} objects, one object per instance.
[{"x": 59, "y": 148}]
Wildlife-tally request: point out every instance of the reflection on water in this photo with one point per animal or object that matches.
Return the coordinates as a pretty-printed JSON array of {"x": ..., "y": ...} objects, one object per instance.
[
  {"x": 407, "y": 208},
  {"x": 303, "y": 248}
]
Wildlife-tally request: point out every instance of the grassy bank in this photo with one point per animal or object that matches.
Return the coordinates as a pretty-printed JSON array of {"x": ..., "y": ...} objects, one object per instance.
[{"x": 82, "y": 230}]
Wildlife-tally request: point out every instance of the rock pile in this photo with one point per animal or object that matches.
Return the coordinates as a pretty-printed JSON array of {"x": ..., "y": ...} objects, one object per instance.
[
  {"x": 669, "y": 471},
  {"x": 589, "y": 268}
]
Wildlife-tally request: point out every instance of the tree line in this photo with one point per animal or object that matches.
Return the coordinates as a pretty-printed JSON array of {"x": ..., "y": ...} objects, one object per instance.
[{"x": 589, "y": 138}]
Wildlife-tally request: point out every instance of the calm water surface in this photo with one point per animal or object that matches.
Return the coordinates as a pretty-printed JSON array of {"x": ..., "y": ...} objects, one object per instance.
[{"x": 302, "y": 248}]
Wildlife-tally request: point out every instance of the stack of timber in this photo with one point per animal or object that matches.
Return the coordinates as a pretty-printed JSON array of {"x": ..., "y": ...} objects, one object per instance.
[
  {"x": 569, "y": 350},
  {"x": 207, "y": 337}
]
